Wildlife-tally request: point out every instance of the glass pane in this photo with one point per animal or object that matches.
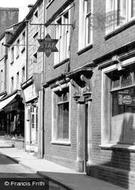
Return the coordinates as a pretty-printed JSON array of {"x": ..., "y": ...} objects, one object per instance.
[
  {"x": 63, "y": 121},
  {"x": 110, "y": 15},
  {"x": 132, "y": 8},
  {"x": 66, "y": 121},
  {"x": 126, "y": 79},
  {"x": 122, "y": 14}
]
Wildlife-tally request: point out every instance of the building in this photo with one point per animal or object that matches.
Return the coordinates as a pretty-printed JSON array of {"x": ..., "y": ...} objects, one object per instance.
[
  {"x": 89, "y": 88},
  {"x": 9, "y": 16},
  {"x": 79, "y": 99},
  {"x": 31, "y": 87}
]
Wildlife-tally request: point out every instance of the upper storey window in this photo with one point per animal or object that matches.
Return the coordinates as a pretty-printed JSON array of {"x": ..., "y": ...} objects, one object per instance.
[
  {"x": 63, "y": 36},
  {"x": 85, "y": 23},
  {"x": 118, "y": 12}
]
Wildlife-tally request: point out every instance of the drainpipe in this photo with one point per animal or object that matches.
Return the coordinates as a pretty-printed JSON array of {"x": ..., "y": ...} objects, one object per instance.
[
  {"x": 41, "y": 99},
  {"x": 27, "y": 50}
]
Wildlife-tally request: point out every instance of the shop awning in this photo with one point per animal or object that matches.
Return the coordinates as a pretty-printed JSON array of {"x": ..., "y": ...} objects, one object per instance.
[{"x": 5, "y": 102}]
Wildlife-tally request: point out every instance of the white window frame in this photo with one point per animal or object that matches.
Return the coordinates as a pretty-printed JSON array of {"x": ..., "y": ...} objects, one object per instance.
[
  {"x": 54, "y": 139},
  {"x": 106, "y": 125},
  {"x": 63, "y": 36},
  {"x": 83, "y": 24},
  {"x": 115, "y": 7}
]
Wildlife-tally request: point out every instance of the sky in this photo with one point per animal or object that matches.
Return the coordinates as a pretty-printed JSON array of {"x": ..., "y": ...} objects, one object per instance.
[{"x": 21, "y": 4}]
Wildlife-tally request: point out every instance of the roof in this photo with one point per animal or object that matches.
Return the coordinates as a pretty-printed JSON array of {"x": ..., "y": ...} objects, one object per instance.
[{"x": 23, "y": 23}]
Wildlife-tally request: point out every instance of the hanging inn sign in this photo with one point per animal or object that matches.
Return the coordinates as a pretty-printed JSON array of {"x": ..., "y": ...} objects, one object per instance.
[{"x": 47, "y": 45}]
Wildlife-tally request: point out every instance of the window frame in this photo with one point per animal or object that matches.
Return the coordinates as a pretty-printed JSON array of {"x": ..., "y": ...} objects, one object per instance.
[
  {"x": 61, "y": 30},
  {"x": 54, "y": 139},
  {"x": 83, "y": 23},
  {"x": 115, "y": 7}
]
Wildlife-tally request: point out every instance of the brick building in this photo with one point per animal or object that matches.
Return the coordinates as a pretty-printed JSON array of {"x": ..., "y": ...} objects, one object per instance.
[{"x": 89, "y": 88}]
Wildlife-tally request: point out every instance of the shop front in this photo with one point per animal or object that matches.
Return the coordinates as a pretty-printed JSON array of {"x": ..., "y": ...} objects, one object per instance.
[
  {"x": 31, "y": 115},
  {"x": 12, "y": 118}
]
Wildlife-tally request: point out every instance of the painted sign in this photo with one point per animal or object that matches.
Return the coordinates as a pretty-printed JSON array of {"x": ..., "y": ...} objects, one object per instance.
[
  {"x": 126, "y": 97},
  {"x": 47, "y": 45}
]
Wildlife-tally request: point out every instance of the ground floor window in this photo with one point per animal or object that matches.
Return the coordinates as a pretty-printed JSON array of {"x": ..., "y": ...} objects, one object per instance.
[
  {"x": 118, "y": 108},
  {"x": 60, "y": 116}
]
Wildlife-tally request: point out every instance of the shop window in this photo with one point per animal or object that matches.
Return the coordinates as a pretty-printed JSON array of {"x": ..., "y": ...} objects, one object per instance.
[
  {"x": 85, "y": 23},
  {"x": 61, "y": 114},
  {"x": 118, "y": 12},
  {"x": 118, "y": 108},
  {"x": 63, "y": 36}
]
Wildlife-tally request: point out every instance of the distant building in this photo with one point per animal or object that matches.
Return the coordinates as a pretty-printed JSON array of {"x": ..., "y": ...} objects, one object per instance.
[{"x": 8, "y": 16}]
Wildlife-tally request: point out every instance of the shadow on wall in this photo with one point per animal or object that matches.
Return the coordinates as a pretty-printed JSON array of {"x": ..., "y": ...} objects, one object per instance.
[{"x": 117, "y": 169}]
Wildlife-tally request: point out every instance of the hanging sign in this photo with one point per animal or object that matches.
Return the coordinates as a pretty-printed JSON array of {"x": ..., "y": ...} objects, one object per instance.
[{"x": 47, "y": 45}]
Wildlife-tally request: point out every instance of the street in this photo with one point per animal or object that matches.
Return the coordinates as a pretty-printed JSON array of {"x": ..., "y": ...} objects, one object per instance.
[
  {"x": 10, "y": 168},
  {"x": 16, "y": 176}
]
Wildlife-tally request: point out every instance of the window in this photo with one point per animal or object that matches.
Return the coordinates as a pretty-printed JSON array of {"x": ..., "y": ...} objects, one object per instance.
[
  {"x": 17, "y": 80},
  {"x": 17, "y": 49},
  {"x": 12, "y": 84},
  {"x": 118, "y": 108},
  {"x": 61, "y": 114},
  {"x": 12, "y": 55},
  {"x": 118, "y": 12},
  {"x": 85, "y": 23},
  {"x": 23, "y": 42},
  {"x": 34, "y": 58},
  {"x": 63, "y": 36},
  {"x": 23, "y": 74}
]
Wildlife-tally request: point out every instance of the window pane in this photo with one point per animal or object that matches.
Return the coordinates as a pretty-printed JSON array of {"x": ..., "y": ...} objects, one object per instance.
[
  {"x": 110, "y": 15},
  {"x": 66, "y": 121},
  {"x": 122, "y": 15},
  {"x": 123, "y": 116},
  {"x": 126, "y": 79},
  {"x": 132, "y": 8}
]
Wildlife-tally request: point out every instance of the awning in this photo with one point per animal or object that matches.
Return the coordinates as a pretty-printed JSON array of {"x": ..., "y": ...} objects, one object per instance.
[{"x": 5, "y": 102}]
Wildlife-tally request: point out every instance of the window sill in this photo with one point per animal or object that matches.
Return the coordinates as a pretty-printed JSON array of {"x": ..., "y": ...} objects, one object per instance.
[
  {"x": 85, "y": 49},
  {"x": 120, "y": 29},
  {"x": 60, "y": 63},
  {"x": 61, "y": 142},
  {"x": 124, "y": 147}
]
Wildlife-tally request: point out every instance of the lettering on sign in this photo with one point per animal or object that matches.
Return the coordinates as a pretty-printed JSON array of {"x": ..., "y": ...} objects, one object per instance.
[{"x": 47, "y": 45}]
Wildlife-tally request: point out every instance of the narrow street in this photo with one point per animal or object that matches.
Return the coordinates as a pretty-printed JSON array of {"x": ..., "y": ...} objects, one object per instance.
[
  {"x": 16, "y": 176},
  {"x": 10, "y": 168}
]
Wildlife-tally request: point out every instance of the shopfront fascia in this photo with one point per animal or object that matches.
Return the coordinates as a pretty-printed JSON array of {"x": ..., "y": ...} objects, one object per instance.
[{"x": 30, "y": 91}]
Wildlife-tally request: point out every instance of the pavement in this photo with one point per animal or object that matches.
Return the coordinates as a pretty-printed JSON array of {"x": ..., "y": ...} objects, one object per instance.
[{"x": 62, "y": 175}]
